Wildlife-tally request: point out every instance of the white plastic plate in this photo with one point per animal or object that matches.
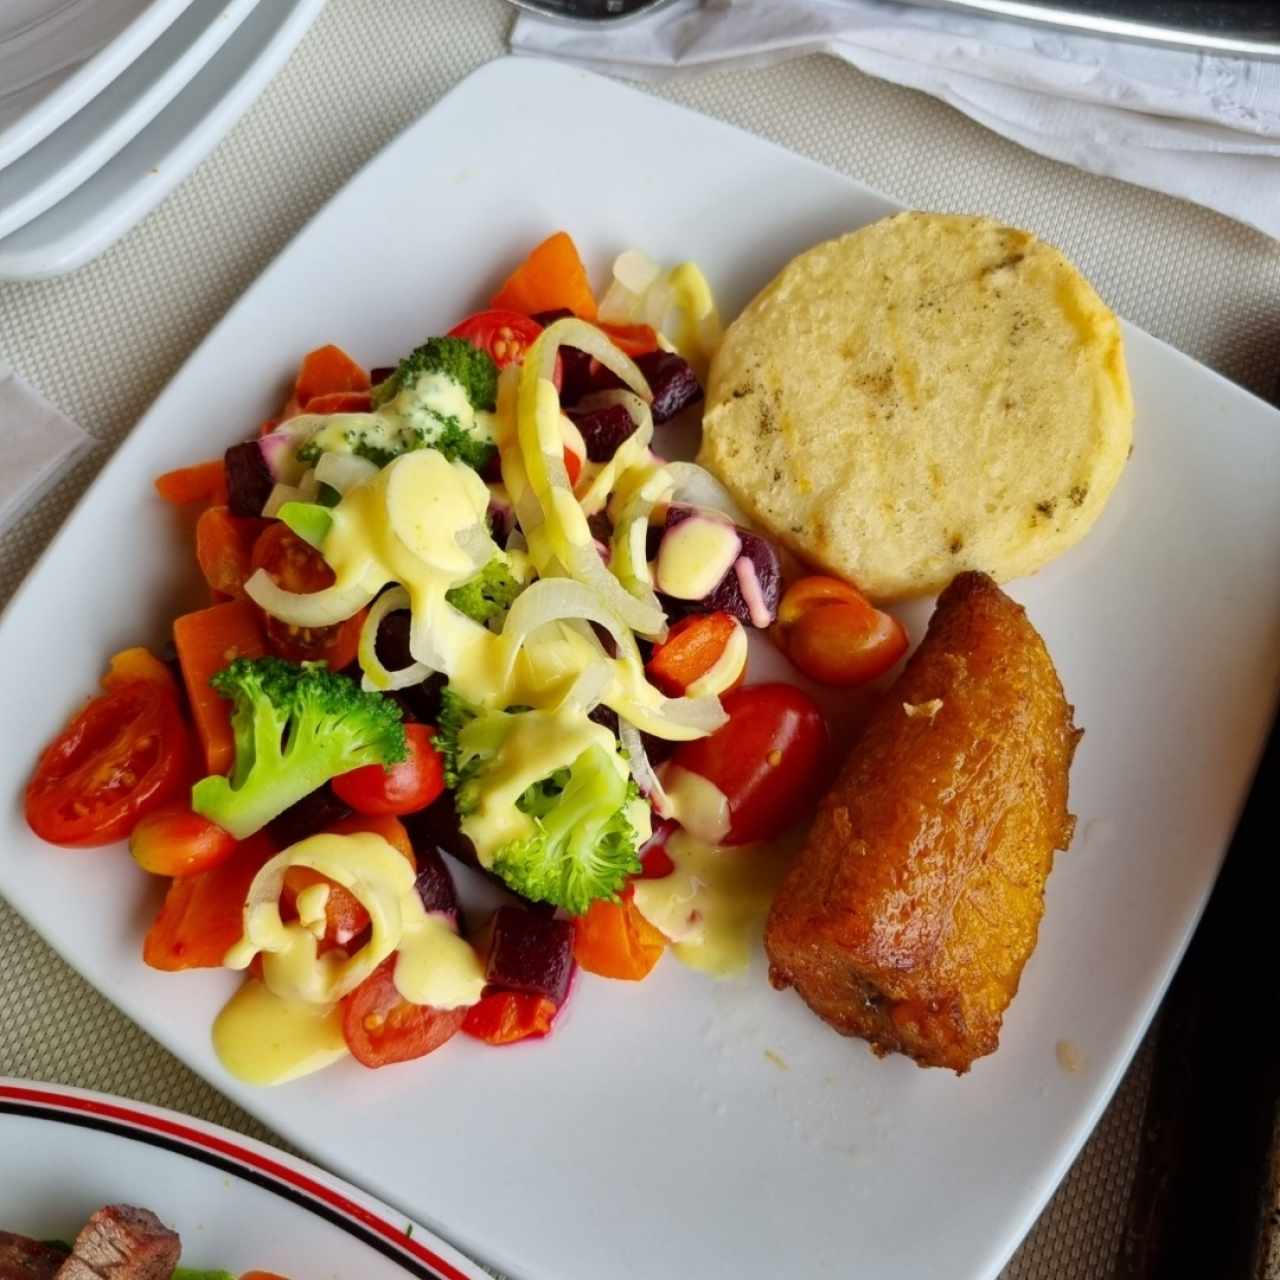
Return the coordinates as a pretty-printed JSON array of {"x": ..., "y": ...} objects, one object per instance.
[
  {"x": 91, "y": 218},
  {"x": 56, "y": 54},
  {"x": 684, "y": 1127},
  {"x": 69, "y": 155}
]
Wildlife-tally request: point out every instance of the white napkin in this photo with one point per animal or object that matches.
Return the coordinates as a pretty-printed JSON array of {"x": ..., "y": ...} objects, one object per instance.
[
  {"x": 37, "y": 443},
  {"x": 1202, "y": 126}
]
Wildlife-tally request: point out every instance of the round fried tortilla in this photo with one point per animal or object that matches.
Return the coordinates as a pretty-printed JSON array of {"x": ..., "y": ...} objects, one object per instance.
[{"x": 930, "y": 394}]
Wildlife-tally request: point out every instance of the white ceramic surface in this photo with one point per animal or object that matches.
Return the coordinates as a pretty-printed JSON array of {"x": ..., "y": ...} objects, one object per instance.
[
  {"x": 56, "y": 54},
  {"x": 236, "y": 1203},
  {"x": 69, "y": 155},
  {"x": 146, "y": 169},
  {"x": 680, "y": 1126}
]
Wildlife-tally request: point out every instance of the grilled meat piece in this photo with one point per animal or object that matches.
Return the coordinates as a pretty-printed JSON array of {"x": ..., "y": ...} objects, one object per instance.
[
  {"x": 22, "y": 1258},
  {"x": 121, "y": 1242},
  {"x": 910, "y": 912}
]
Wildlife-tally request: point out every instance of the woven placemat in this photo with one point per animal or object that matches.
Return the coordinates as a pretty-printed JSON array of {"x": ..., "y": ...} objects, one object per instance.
[{"x": 101, "y": 344}]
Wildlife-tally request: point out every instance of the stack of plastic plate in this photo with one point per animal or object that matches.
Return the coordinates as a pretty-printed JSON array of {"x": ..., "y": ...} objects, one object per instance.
[{"x": 106, "y": 105}]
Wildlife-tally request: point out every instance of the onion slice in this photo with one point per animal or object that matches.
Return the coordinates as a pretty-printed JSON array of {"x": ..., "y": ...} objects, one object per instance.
[
  {"x": 696, "y": 486},
  {"x": 377, "y": 679},
  {"x": 310, "y": 609},
  {"x": 343, "y": 471},
  {"x": 567, "y": 536},
  {"x": 642, "y": 770}
]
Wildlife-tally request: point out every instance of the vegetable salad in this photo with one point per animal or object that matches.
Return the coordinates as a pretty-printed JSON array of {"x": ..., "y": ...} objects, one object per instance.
[{"x": 462, "y": 606}]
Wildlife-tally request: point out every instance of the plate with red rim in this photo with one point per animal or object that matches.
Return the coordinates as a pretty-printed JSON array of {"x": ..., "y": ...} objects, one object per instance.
[
  {"x": 683, "y": 1126},
  {"x": 238, "y": 1204}
]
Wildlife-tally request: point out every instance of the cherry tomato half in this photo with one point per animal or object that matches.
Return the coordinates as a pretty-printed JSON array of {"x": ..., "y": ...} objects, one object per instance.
[
  {"x": 505, "y": 335},
  {"x": 834, "y": 635},
  {"x": 174, "y": 841},
  {"x": 122, "y": 757},
  {"x": 381, "y": 1027},
  {"x": 297, "y": 566},
  {"x": 398, "y": 788},
  {"x": 769, "y": 759},
  {"x": 345, "y": 917}
]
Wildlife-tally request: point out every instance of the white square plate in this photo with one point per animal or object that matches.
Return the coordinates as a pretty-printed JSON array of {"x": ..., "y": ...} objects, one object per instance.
[{"x": 657, "y": 1131}]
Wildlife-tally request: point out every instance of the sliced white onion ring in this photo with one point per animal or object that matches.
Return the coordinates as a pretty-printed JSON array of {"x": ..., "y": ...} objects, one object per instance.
[
  {"x": 343, "y": 471},
  {"x": 538, "y": 428},
  {"x": 642, "y": 770},
  {"x": 589, "y": 687},
  {"x": 378, "y": 678},
  {"x": 699, "y": 488},
  {"x": 310, "y": 609}
]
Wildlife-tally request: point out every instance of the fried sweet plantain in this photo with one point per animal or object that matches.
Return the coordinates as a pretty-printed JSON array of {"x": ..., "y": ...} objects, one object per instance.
[{"x": 910, "y": 912}]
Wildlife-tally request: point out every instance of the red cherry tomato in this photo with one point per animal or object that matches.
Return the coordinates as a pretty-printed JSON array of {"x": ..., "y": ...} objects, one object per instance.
[
  {"x": 769, "y": 759},
  {"x": 123, "y": 756},
  {"x": 174, "y": 841},
  {"x": 834, "y": 635},
  {"x": 345, "y": 917},
  {"x": 381, "y": 1027},
  {"x": 398, "y": 788},
  {"x": 505, "y": 335},
  {"x": 297, "y": 566}
]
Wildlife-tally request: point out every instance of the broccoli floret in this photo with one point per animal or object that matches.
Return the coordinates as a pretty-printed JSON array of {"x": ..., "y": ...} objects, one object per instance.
[
  {"x": 490, "y": 593},
  {"x": 583, "y": 846},
  {"x": 296, "y": 725},
  {"x": 455, "y": 714},
  {"x": 472, "y": 369},
  {"x": 459, "y": 445},
  {"x": 579, "y": 843}
]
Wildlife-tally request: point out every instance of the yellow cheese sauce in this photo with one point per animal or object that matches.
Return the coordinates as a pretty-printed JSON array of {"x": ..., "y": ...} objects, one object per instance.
[
  {"x": 264, "y": 1039},
  {"x": 713, "y": 905},
  {"x": 696, "y": 803},
  {"x": 695, "y": 555},
  {"x": 434, "y": 965},
  {"x": 722, "y": 673},
  {"x": 536, "y": 744}
]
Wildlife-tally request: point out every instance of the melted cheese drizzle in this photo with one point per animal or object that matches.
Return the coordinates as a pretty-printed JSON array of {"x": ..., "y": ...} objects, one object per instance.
[
  {"x": 263, "y": 1039},
  {"x": 696, "y": 803},
  {"x": 713, "y": 905},
  {"x": 301, "y": 986}
]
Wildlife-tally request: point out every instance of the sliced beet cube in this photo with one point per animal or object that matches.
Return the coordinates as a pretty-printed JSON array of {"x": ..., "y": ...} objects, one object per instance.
[
  {"x": 603, "y": 429},
  {"x": 751, "y": 588},
  {"x": 437, "y": 828},
  {"x": 314, "y": 812},
  {"x": 531, "y": 953},
  {"x": 674, "y": 384},
  {"x": 435, "y": 885},
  {"x": 249, "y": 481}
]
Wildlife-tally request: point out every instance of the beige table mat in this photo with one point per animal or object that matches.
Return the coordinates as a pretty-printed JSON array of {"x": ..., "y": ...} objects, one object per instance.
[{"x": 102, "y": 343}]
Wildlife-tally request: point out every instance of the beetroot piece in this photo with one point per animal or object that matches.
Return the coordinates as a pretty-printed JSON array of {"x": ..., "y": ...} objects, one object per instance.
[
  {"x": 304, "y": 818},
  {"x": 603, "y": 430},
  {"x": 435, "y": 885},
  {"x": 601, "y": 527},
  {"x": 436, "y": 829},
  {"x": 763, "y": 572},
  {"x": 249, "y": 481},
  {"x": 575, "y": 365},
  {"x": 674, "y": 384},
  {"x": 531, "y": 953},
  {"x": 392, "y": 642},
  {"x": 381, "y": 373},
  {"x": 120, "y": 1240}
]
